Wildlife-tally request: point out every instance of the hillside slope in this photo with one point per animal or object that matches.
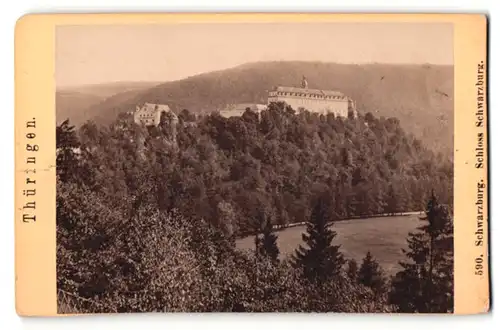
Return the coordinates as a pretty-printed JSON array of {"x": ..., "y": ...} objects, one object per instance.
[
  {"x": 75, "y": 102},
  {"x": 112, "y": 88},
  {"x": 74, "y": 105},
  {"x": 421, "y": 96}
]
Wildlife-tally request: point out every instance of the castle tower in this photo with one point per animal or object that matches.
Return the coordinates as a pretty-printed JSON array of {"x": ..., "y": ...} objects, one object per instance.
[{"x": 304, "y": 82}]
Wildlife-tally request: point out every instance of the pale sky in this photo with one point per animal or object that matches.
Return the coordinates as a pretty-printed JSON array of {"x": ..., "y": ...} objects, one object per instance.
[{"x": 98, "y": 54}]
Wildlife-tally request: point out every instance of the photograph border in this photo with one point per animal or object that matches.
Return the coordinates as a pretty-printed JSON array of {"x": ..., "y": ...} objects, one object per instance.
[{"x": 35, "y": 242}]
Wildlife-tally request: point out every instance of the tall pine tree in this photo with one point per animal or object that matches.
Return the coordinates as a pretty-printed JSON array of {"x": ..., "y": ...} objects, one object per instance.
[
  {"x": 370, "y": 274},
  {"x": 266, "y": 244},
  {"x": 66, "y": 145},
  {"x": 352, "y": 269},
  {"x": 425, "y": 285},
  {"x": 320, "y": 260},
  {"x": 393, "y": 203}
]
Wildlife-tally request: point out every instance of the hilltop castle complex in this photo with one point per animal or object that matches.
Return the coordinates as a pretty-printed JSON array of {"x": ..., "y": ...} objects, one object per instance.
[
  {"x": 313, "y": 100},
  {"x": 303, "y": 98}
]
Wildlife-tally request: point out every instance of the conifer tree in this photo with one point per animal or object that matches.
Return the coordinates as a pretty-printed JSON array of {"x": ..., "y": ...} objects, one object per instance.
[
  {"x": 320, "y": 260},
  {"x": 266, "y": 245},
  {"x": 352, "y": 269},
  {"x": 66, "y": 144},
  {"x": 370, "y": 274},
  {"x": 392, "y": 204},
  {"x": 425, "y": 285}
]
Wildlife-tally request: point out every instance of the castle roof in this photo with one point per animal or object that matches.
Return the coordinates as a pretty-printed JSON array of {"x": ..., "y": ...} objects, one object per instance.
[
  {"x": 151, "y": 108},
  {"x": 320, "y": 92}
]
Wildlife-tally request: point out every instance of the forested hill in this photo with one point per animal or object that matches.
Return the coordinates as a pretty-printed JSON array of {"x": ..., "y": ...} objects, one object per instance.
[
  {"x": 232, "y": 172},
  {"x": 147, "y": 218},
  {"x": 421, "y": 96}
]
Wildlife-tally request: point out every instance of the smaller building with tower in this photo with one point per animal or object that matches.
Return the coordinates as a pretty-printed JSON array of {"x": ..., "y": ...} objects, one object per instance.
[{"x": 150, "y": 114}]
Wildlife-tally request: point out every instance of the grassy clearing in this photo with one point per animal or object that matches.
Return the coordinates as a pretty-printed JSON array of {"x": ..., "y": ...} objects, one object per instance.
[{"x": 384, "y": 237}]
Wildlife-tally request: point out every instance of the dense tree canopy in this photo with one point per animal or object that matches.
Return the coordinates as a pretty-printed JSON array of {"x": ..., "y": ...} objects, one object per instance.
[
  {"x": 367, "y": 165},
  {"x": 147, "y": 217}
]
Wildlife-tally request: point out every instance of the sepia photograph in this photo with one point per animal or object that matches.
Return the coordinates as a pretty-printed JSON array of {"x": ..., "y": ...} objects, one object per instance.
[{"x": 255, "y": 167}]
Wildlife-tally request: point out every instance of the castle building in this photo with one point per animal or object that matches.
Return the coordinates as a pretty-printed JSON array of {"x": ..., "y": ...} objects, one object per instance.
[
  {"x": 151, "y": 114},
  {"x": 313, "y": 100},
  {"x": 236, "y": 110}
]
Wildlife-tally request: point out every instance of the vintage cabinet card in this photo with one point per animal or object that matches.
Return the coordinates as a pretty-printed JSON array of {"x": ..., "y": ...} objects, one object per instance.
[{"x": 251, "y": 163}]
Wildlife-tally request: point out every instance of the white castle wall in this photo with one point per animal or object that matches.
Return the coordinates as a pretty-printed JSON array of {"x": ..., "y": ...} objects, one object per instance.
[
  {"x": 237, "y": 110},
  {"x": 339, "y": 107},
  {"x": 314, "y": 100}
]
